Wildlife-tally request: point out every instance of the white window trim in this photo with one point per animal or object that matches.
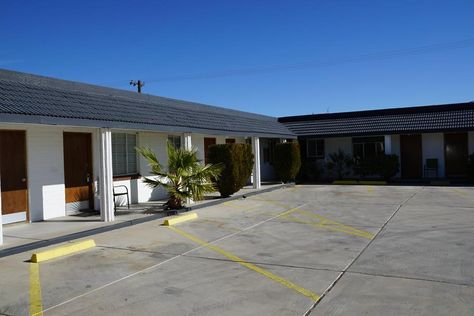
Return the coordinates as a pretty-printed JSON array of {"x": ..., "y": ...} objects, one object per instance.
[{"x": 137, "y": 160}]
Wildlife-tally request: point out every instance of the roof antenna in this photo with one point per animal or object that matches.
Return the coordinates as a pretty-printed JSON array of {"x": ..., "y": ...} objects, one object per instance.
[
  {"x": 139, "y": 84},
  {"x": 327, "y": 109}
]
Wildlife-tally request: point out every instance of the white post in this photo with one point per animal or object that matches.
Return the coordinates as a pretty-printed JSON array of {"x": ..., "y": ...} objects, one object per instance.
[
  {"x": 188, "y": 145},
  {"x": 388, "y": 144},
  {"x": 187, "y": 141},
  {"x": 1, "y": 219},
  {"x": 106, "y": 179},
  {"x": 256, "y": 166}
]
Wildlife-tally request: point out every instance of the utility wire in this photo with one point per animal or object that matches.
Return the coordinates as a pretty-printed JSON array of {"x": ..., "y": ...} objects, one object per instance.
[{"x": 383, "y": 55}]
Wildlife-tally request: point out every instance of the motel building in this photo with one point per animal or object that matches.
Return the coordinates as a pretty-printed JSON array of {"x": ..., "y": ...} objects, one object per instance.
[
  {"x": 432, "y": 142},
  {"x": 66, "y": 146}
]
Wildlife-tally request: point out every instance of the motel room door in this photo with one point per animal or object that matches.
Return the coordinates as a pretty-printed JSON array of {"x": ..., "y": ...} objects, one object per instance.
[
  {"x": 456, "y": 154},
  {"x": 78, "y": 171},
  {"x": 208, "y": 142},
  {"x": 13, "y": 176},
  {"x": 411, "y": 156}
]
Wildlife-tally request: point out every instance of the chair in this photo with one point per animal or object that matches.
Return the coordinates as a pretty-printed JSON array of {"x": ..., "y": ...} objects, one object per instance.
[
  {"x": 121, "y": 192},
  {"x": 431, "y": 165}
]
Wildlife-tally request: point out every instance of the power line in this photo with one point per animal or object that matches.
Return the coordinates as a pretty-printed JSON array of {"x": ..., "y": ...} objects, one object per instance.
[{"x": 383, "y": 55}]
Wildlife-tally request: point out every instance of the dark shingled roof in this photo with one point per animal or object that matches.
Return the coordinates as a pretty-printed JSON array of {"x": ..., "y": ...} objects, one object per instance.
[
  {"x": 419, "y": 119},
  {"x": 26, "y": 98}
]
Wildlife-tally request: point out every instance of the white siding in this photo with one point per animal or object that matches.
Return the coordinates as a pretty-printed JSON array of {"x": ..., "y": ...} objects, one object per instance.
[{"x": 433, "y": 147}]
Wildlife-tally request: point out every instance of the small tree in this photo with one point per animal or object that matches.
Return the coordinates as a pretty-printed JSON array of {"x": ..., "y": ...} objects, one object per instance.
[
  {"x": 237, "y": 164},
  {"x": 287, "y": 161},
  {"x": 186, "y": 177},
  {"x": 340, "y": 163}
]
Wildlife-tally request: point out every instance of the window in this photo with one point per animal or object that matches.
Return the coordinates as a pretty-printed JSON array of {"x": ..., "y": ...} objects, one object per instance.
[
  {"x": 269, "y": 150},
  {"x": 124, "y": 156},
  {"x": 367, "y": 147},
  {"x": 315, "y": 148},
  {"x": 230, "y": 140},
  {"x": 175, "y": 141}
]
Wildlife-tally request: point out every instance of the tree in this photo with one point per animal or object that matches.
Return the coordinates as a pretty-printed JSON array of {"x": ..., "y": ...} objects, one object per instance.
[
  {"x": 287, "y": 161},
  {"x": 237, "y": 161},
  {"x": 186, "y": 177}
]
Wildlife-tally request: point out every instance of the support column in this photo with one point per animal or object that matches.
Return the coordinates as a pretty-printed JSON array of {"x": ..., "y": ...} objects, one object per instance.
[
  {"x": 256, "y": 166},
  {"x": 388, "y": 144},
  {"x": 188, "y": 145},
  {"x": 105, "y": 177},
  {"x": 1, "y": 219}
]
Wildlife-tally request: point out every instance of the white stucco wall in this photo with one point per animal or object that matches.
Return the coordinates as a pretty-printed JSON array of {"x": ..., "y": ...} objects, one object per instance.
[{"x": 433, "y": 147}]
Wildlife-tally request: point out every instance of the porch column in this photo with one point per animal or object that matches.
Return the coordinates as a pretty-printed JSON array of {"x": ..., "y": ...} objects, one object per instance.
[
  {"x": 388, "y": 144},
  {"x": 105, "y": 178},
  {"x": 1, "y": 220},
  {"x": 188, "y": 145},
  {"x": 256, "y": 166},
  {"x": 187, "y": 141}
]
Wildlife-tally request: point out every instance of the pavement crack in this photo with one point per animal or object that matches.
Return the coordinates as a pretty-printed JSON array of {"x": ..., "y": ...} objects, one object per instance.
[
  {"x": 410, "y": 278},
  {"x": 331, "y": 286}
]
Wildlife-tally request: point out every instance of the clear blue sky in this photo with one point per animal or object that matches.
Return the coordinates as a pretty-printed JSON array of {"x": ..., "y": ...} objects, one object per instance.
[{"x": 271, "y": 57}]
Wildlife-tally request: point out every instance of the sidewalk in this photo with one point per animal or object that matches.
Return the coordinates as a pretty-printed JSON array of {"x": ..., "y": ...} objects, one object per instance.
[{"x": 27, "y": 236}]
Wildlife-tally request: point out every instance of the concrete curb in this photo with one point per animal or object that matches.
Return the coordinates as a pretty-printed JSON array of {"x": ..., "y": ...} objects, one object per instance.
[
  {"x": 94, "y": 231},
  {"x": 61, "y": 251}
]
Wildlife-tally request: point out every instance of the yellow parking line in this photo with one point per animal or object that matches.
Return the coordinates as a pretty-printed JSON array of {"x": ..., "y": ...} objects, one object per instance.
[
  {"x": 36, "y": 305},
  {"x": 460, "y": 192},
  {"x": 248, "y": 265},
  {"x": 370, "y": 189},
  {"x": 326, "y": 223}
]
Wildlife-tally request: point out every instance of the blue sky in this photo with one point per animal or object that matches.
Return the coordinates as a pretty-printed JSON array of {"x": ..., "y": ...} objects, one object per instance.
[{"x": 271, "y": 57}]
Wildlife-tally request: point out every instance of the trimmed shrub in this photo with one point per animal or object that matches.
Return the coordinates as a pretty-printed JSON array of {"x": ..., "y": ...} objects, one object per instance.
[
  {"x": 384, "y": 166},
  {"x": 310, "y": 171},
  {"x": 287, "y": 161},
  {"x": 237, "y": 161}
]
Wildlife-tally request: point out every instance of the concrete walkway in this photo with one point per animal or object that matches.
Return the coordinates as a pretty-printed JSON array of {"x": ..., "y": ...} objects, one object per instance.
[{"x": 26, "y": 236}]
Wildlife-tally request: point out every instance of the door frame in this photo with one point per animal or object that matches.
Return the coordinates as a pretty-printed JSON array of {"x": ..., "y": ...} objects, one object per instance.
[
  {"x": 90, "y": 162},
  {"x": 27, "y": 210},
  {"x": 402, "y": 158}
]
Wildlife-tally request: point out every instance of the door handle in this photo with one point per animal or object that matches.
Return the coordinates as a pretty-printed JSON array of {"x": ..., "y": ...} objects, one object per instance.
[{"x": 23, "y": 179}]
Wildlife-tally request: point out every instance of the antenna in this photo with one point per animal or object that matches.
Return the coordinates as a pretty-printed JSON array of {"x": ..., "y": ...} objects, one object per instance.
[{"x": 139, "y": 84}]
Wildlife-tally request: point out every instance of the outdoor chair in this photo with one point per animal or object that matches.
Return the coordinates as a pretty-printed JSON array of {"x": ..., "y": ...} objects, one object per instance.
[
  {"x": 122, "y": 190},
  {"x": 431, "y": 166}
]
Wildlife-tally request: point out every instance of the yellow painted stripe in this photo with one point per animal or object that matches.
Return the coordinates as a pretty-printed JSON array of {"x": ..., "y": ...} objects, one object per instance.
[
  {"x": 250, "y": 266},
  {"x": 179, "y": 219},
  {"x": 62, "y": 251},
  {"x": 370, "y": 189},
  {"x": 328, "y": 224},
  {"x": 36, "y": 305},
  {"x": 459, "y": 192},
  {"x": 344, "y": 182}
]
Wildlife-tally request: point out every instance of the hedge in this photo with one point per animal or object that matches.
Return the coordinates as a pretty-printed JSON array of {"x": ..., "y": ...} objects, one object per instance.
[
  {"x": 287, "y": 161},
  {"x": 237, "y": 160}
]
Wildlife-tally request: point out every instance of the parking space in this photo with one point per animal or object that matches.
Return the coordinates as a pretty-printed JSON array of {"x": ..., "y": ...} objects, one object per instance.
[{"x": 319, "y": 250}]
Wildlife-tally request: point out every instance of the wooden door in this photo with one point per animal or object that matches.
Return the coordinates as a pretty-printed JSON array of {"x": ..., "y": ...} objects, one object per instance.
[
  {"x": 208, "y": 142},
  {"x": 455, "y": 154},
  {"x": 78, "y": 168},
  {"x": 13, "y": 176},
  {"x": 411, "y": 156}
]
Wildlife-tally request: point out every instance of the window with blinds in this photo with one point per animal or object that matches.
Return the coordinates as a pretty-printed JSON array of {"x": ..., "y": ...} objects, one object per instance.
[{"x": 124, "y": 155}]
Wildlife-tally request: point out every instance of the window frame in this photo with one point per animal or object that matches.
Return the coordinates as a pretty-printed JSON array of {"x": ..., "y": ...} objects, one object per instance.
[
  {"x": 316, "y": 140},
  {"x": 363, "y": 141},
  {"x": 173, "y": 138},
  {"x": 127, "y": 173}
]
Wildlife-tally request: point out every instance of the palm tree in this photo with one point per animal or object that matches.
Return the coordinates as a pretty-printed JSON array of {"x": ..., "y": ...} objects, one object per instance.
[{"x": 186, "y": 177}]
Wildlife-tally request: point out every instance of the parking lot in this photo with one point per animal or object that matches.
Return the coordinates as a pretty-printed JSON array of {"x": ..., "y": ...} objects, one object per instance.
[{"x": 314, "y": 250}]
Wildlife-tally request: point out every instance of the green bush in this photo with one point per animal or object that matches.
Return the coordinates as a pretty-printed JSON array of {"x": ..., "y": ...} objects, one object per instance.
[
  {"x": 237, "y": 161},
  {"x": 340, "y": 163},
  {"x": 287, "y": 161},
  {"x": 310, "y": 171}
]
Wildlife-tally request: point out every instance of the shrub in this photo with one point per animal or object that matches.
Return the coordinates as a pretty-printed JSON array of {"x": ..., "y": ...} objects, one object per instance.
[
  {"x": 310, "y": 171},
  {"x": 287, "y": 160},
  {"x": 340, "y": 163},
  {"x": 237, "y": 162},
  {"x": 384, "y": 166}
]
